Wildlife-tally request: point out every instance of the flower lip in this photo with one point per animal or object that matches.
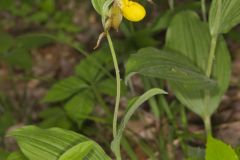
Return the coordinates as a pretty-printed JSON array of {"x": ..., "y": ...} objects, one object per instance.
[{"x": 132, "y": 11}]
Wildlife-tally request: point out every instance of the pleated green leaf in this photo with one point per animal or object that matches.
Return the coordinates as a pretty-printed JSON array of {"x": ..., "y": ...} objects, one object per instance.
[
  {"x": 56, "y": 144},
  {"x": 224, "y": 15},
  {"x": 191, "y": 38},
  {"x": 78, "y": 152},
  {"x": 168, "y": 65},
  {"x": 217, "y": 150}
]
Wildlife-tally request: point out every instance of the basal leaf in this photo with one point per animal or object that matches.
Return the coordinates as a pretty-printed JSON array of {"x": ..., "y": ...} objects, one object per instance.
[
  {"x": 191, "y": 38},
  {"x": 51, "y": 144},
  {"x": 168, "y": 65},
  {"x": 224, "y": 15},
  {"x": 64, "y": 89},
  {"x": 217, "y": 150}
]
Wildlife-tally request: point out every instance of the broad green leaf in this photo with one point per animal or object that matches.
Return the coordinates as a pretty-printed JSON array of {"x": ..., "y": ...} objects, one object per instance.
[
  {"x": 134, "y": 106},
  {"x": 16, "y": 156},
  {"x": 217, "y": 150},
  {"x": 79, "y": 107},
  {"x": 65, "y": 89},
  {"x": 191, "y": 38},
  {"x": 51, "y": 144},
  {"x": 224, "y": 15},
  {"x": 54, "y": 117},
  {"x": 168, "y": 65},
  {"x": 78, "y": 152},
  {"x": 98, "y": 5}
]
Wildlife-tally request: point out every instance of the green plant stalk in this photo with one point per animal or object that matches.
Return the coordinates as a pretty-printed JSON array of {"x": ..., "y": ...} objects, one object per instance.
[
  {"x": 211, "y": 55},
  {"x": 171, "y": 4},
  {"x": 207, "y": 124},
  {"x": 204, "y": 11},
  {"x": 116, "y": 108},
  {"x": 207, "y": 118}
]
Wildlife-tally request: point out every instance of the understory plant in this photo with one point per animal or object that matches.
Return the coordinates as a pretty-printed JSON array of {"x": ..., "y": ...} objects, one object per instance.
[{"x": 195, "y": 62}]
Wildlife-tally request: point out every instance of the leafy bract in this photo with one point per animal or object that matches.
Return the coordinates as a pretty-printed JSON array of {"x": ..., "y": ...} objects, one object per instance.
[
  {"x": 191, "y": 38},
  {"x": 56, "y": 143},
  {"x": 224, "y": 15},
  {"x": 217, "y": 150},
  {"x": 98, "y": 5},
  {"x": 168, "y": 65}
]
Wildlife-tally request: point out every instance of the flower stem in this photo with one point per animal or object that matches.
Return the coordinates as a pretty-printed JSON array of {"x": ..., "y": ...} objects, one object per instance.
[
  {"x": 207, "y": 124},
  {"x": 115, "y": 62},
  {"x": 115, "y": 116},
  {"x": 211, "y": 55},
  {"x": 213, "y": 46},
  {"x": 204, "y": 12}
]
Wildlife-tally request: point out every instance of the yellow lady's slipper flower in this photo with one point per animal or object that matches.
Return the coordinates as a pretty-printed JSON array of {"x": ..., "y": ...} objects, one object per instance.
[{"x": 132, "y": 11}]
